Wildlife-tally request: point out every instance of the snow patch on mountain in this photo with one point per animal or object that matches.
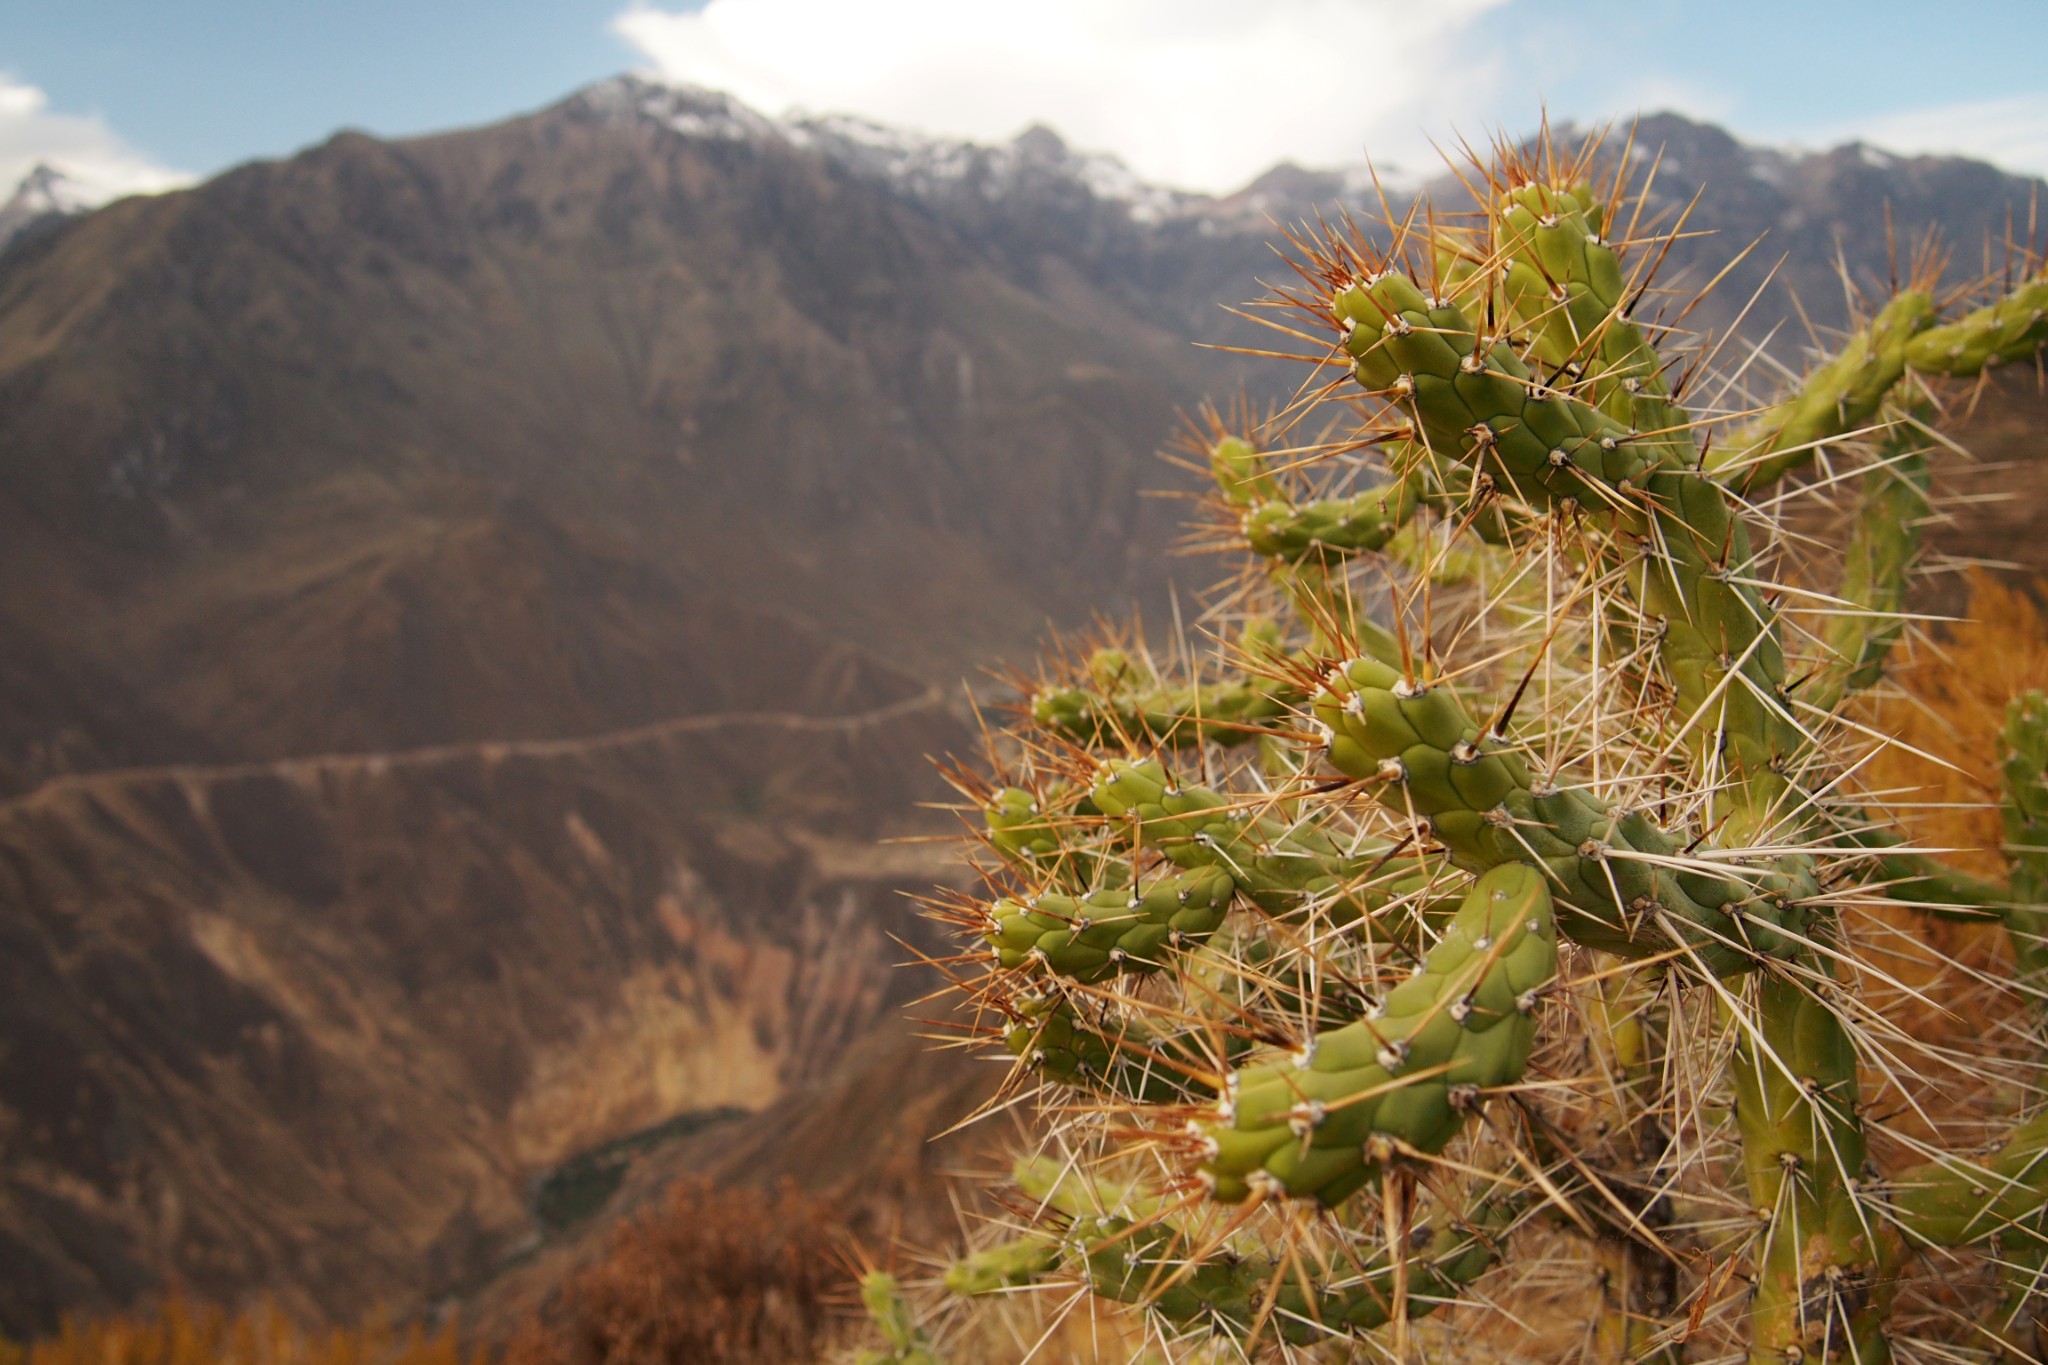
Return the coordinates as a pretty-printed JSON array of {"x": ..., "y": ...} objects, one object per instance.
[
  {"x": 925, "y": 166},
  {"x": 45, "y": 196}
]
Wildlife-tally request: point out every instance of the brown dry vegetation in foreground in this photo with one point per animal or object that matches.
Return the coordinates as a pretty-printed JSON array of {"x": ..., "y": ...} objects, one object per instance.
[
  {"x": 733, "y": 1275},
  {"x": 1954, "y": 693},
  {"x": 177, "y": 1332}
]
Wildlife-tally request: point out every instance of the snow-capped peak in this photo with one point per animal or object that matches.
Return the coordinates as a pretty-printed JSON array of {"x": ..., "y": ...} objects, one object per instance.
[
  {"x": 691, "y": 110},
  {"x": 46, "y": 189},
  {"x": 44, "y": 195},
  {"x": 925, "y": 165}
]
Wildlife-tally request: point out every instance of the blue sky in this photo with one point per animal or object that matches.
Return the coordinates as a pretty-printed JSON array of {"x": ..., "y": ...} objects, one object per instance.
[{"x": 135, "y": 94}]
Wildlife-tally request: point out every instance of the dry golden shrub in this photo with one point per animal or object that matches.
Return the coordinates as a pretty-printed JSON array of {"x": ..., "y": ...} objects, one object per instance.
[
  {"x": 182, "y": 1333},
  {"x": 731, "y": 1275},
  {"x": 1955, "y": 691},
  {"x": 1939, "y": 780}
]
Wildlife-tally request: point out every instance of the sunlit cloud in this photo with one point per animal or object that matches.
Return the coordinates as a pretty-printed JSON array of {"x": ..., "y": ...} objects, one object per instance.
[
  {"x": 92, "y": 157},
  {"x": 1203, "y": 94}
]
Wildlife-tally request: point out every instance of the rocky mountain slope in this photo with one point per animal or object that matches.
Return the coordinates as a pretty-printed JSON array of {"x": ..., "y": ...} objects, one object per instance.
[
  {"x": 319, "y": 1025},
  {"x": 471, "y": 604}
]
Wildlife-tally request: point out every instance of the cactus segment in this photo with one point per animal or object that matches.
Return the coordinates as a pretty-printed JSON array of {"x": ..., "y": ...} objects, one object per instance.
[
  {"x": 1475, "y": 400},
  {"x": 1180, "y": 717},
  {"x": 1954, "y": 1201},
  {"x": 1916, "y": 879},
  {"x": 1106, "y": 933},
  {"x": 2023, "y": 902},
  {"x": 1287, "y": 871},
  {"x": 883, "y": 1297},
  {"x": 2009, "y": 329},
  {"x": 1237, "y": 1297},
  {"x": 2024, "y": 809},
  {"x": 1089, "y": 1044},
  {"x": 1130, "y": 1253},
  {"x": 1011, "y": 1265},
  {"x": 1045, "y": 848},
  {"x": 1017, "y": 829},
  {"x": 1883, "y": 544},
  {"x": 1563, "y": 283},
  {"x": 1614, "y": 871},
  {"x": 1332, "y": 528},
  {"x": 1240, "y": 472},
  {"x": 1306, "y": 544},
  {"x": 1321, "y": 1127},
  {"x": 1845, "y": 393},
  {"x": 1839, "y": 397},
  {"x": 1108, "y": 1052},
  {"x": 1327, "y": 529},
  {"x": 1823, "y": 1270},
  {"x": 1120, "y": 1058}
]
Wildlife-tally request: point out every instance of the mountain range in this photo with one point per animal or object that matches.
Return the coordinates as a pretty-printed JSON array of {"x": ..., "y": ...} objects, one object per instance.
[{"x": 473, "y": 603}]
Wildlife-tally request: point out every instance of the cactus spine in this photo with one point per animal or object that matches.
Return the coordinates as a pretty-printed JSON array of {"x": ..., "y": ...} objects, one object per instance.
[{"x": 1509, "y": 872}]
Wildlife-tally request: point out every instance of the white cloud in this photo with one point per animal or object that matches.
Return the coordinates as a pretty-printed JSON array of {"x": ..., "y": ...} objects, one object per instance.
[
  {"x": 1202, "y": 94},
  {"x": 2009, "y": 133},
  {"x": 89, "y": 153}
]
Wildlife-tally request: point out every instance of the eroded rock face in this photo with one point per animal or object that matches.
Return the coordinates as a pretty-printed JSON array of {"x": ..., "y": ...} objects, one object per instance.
[{"x": 316, "y": 1026}]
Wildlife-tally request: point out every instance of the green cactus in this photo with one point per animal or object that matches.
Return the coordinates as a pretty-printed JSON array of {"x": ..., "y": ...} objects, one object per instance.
[
  {"x": 2022, "y": 1324},
  {"x": 1008, "y": 1265},
  {"x": 1126, "y": 1248},
  {"x": 1113, "y": 931},
  {"x": 1545, "y": 882},
  {"x": 1405, "y": 1077},
  {"x": 893, "y": 1317},
  {"x": 2025, "y": 810},
  {"x": 1287, "y": 869},
  {"x": 1883, "y": 543}
]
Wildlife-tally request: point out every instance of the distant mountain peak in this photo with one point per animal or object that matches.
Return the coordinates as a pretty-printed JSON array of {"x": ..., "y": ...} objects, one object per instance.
[
  {"x": 1041, "y": 143},
  {"x": 49, "y": 190},
  {"x": 926, "y": 165},
  {"x": 692, "y": 110},
  {"x": 45, "y": 196}
]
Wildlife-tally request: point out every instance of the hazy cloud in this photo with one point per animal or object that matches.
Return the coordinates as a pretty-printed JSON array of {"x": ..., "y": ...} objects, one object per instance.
[
  {"x": 2009, "y": 133},
  {"x": 83, "y": 148},
  {"x": 1203, "y": 94}
]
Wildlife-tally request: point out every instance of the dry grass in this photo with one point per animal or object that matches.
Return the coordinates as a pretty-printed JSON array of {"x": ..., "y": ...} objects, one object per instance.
[
  {"x": 181, "y": 1333},
  {"x": 1954, "y": 693}
]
